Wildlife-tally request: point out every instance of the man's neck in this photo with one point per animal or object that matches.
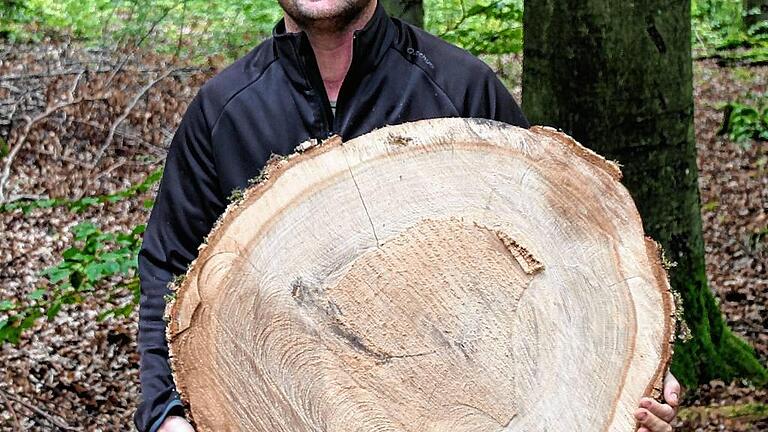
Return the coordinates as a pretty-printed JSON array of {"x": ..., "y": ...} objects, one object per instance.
[{"x": 333, "y": 50}]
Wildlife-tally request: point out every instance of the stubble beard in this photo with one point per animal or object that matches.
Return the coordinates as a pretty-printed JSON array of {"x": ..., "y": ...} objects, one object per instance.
[{"x": 337, "y": 20}]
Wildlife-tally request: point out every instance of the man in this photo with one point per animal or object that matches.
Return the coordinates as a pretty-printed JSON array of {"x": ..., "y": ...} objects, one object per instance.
[{"x": 332, "y": 67}]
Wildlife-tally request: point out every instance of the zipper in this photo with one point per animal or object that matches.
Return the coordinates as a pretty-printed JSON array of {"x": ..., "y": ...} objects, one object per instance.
[
  {"x": 331, "y": 124},
  {"x": 315, "y": 80},
  {"x": 349, "y": 80}
]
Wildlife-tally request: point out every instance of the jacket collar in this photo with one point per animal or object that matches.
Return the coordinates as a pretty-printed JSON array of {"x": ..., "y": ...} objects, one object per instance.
[{"x": 370, "y": 44}]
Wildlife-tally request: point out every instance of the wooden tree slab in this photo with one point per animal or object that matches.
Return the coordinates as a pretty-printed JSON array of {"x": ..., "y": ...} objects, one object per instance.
[{"x": 444, "y": 275}]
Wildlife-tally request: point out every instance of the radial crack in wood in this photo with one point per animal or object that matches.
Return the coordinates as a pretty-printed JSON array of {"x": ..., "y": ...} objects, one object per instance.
[{"x": 444, "y": 275}]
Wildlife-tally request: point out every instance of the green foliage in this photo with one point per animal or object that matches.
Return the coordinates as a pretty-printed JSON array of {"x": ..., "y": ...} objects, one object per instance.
[
  {"x": 80, "y": 205},
  {"x": 99, "y": 265},
  {"x": 200, "y": 28},
  {"x": 757, "y": 53},
  {"x": 718, "y": 28},
  {"x": 190, "y": 28},
  {"x": 744, "y": 121},
  {"x": 715, "y": 22},
  {"x": 481, "y": 27},
  {"x": 12, "y": 14}
]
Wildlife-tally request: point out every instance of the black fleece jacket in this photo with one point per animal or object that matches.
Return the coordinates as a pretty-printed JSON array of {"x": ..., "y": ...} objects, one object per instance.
[{"x": 268, "y": 102}]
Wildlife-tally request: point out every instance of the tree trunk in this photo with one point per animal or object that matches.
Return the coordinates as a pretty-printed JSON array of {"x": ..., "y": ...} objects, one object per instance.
[
  {"x": 410, "y": 11},
  {"x": 755, "y": 12},
  {"x": 618, "y": 77},
  {"x": 445, "y": 275}
]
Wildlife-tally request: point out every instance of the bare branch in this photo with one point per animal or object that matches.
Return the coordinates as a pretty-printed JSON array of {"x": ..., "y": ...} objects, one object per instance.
[
  {"x": 13, "y": 413},
  {"x": 75, "y": 83},
  {"x": 124, "y": 115},
  {"x": 30, "y": 76},
  {"x": 138, "y": 44},
  {"x": 31, "y": 121},
  {"x": 55, "y": 420}
]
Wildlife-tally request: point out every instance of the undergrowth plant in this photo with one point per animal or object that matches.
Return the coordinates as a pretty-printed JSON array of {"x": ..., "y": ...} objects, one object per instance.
[
  {"x": 745, "y": 121},
  {"x": 719, "y": 30},
  {"x": 98, "y": 265}
]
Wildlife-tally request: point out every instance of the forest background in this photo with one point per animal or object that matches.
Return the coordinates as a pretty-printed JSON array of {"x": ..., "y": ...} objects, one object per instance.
[{"x": 91, "y": 92}]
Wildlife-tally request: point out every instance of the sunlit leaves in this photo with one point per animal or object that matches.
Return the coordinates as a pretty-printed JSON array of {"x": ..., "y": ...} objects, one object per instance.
[
  {"x": 481, "y": 27},
  {"x": 198, "y": 29},
  {"x": 190, "y": 28},
  {"x": 718, "y": 26}
]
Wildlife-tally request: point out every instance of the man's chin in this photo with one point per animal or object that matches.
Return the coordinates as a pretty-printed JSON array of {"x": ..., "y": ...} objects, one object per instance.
[
  {"x": 320, "y": 9},
  {"x": 326, "y": 15}
]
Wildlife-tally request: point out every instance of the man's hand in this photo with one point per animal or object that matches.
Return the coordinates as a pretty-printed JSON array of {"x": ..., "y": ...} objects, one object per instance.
[
  {"x": 175, "y": 424},
  {"x": 656, "y": 417}
]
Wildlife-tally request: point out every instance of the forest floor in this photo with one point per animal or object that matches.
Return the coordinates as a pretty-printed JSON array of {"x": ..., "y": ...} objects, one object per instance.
[{"x": 79, "y": 372}]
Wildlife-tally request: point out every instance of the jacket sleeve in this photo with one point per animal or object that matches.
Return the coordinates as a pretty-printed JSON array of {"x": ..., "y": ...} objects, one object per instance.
[
  {"x": 489, "y": 99},
  {"x": 187, "y": 205}
]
